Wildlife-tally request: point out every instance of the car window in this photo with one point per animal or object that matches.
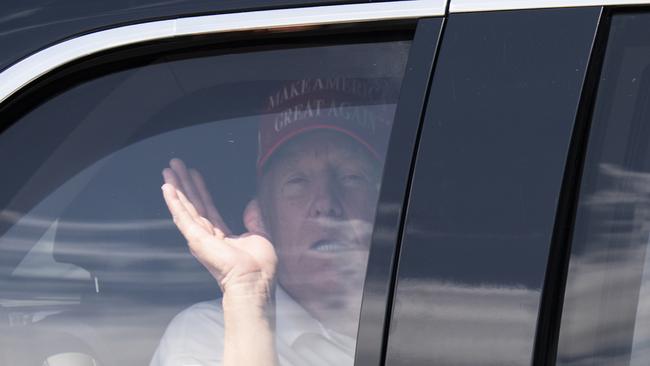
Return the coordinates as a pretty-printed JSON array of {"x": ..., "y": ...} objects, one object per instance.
[
  {"x": 606, "y": 309},
  {"x": 486, "y": 184},
  {"x": 275, "y": 153}
]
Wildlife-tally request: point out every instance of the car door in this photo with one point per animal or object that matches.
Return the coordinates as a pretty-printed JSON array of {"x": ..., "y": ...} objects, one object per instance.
[
  {"x": 488, "y": 179},
  {"x": 94, "y": 269}
]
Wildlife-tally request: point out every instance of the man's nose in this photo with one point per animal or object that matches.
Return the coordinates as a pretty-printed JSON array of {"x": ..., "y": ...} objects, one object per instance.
[{"x": 327, "y": 202}]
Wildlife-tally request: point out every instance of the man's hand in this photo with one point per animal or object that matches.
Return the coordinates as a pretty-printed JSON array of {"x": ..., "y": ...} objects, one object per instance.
[{"x": 243, "y": 265}]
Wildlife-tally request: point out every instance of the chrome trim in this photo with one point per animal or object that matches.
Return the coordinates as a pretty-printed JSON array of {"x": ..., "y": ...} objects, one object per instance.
[
  {"x": 31, "y": 68},
  {"x": 464, "y": 6}
]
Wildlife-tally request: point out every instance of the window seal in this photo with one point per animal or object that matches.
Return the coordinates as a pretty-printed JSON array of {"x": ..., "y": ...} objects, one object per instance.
[{"x": 22, "y": 73}]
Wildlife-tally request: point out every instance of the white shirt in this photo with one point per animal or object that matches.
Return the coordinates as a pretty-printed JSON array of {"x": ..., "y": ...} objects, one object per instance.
[{"x": 195, "y": 337}]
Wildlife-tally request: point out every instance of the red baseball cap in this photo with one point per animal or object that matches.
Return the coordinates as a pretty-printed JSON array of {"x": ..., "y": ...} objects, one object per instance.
[{"x": 349, "y": 106}]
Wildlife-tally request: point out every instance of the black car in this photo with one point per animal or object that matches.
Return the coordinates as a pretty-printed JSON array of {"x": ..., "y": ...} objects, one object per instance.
[{"x": 509, "y": 141}]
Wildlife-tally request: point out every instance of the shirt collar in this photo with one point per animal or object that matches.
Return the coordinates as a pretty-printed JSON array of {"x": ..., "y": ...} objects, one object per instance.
[{"x": 292, "y": 320}]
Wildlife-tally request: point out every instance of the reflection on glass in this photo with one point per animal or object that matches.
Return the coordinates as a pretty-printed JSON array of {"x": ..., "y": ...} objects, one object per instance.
[
  {"x": 468, "y": 314},
  {"x": 606, "y": 313},
  {"x": 641, "y": 337},
  {"x": 94, "y": 268},
  {"x": 606, "y": 270}
]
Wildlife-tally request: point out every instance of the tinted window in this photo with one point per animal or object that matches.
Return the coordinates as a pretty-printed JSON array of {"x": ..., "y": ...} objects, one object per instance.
[
  {"x": 486, "y": 184},
  {"x": 284, "y": 145},
  {"x": 606, "y": 314}
]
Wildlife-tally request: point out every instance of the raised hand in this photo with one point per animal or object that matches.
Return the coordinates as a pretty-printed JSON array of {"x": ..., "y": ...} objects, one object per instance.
[
  {"x": 243, "y": 265},
  {"x": 191, "y": 183}
]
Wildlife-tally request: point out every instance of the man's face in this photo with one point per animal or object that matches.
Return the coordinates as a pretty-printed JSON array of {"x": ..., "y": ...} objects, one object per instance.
[{"x": 320, "y": 194}]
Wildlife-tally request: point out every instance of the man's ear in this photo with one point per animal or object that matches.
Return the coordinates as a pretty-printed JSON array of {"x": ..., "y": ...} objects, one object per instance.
[{"x": 253, "y": 220}]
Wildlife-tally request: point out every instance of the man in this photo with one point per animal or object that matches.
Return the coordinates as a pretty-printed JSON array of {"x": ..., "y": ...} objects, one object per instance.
[{"x": 308, "y": 230}]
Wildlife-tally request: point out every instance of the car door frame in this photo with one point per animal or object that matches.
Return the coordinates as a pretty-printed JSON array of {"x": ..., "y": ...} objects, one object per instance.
[{"x": 19, "y": 81}]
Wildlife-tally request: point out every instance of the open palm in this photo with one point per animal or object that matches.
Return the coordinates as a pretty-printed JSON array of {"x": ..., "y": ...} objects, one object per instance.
[{"x": 242, "y": 263}]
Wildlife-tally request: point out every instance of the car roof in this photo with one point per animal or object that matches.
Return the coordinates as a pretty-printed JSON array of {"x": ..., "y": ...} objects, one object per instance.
[
  {"x": 33, "y": 29},
  {"x": 27, "y": 26}
]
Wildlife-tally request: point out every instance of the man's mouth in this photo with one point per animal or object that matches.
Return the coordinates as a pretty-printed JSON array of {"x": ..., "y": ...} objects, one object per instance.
[{"x": 333, "y": 246}]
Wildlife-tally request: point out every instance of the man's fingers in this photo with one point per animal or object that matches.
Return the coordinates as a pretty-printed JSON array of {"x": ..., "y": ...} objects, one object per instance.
[
  {"x": 187, "y": 184},
  {"x": 189, "y": 207},
  {"x": 207, "y": 225},
  {"x": 205, "y": 245},
  {"x": 170, "y": 177},
  {"x": 183, "y": 219},
  {"x": 211, "y": 211},
  {"x": 198, "y": 218}
]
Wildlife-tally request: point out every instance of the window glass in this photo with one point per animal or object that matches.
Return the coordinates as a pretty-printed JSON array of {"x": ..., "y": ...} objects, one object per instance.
[
  {"x": 606, "y": 313},
  {"x": 271, "y": 161},
  {"x": 486, "y": 185}
]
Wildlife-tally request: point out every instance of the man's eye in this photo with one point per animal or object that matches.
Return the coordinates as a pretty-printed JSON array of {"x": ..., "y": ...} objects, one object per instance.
[
  {"x": 353, "y": 179},
  {"x": 295, "y": 186}
]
